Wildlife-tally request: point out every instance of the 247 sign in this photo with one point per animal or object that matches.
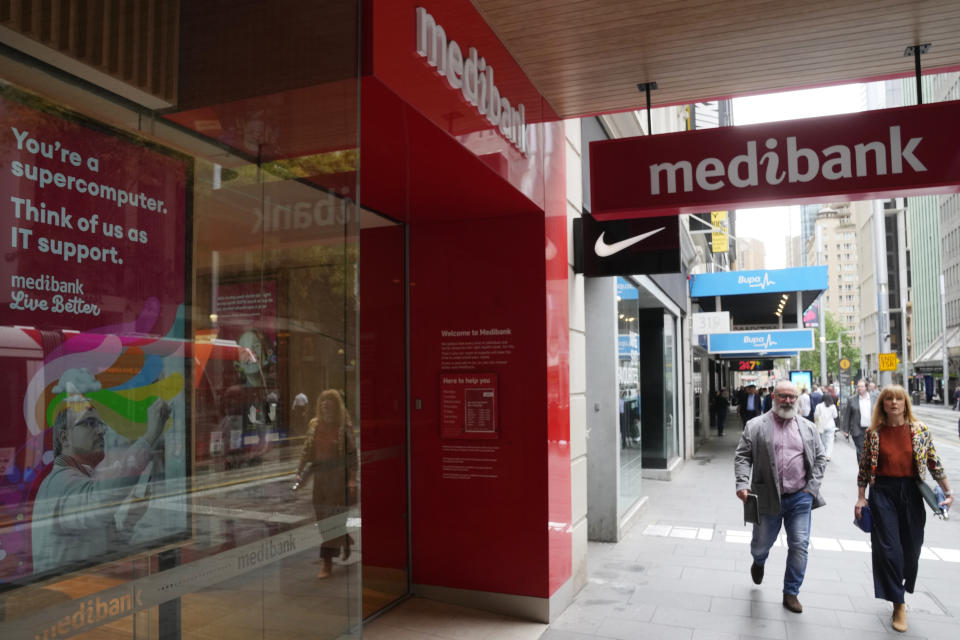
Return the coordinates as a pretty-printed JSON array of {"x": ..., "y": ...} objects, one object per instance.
[{"x": 860, "y": 156}]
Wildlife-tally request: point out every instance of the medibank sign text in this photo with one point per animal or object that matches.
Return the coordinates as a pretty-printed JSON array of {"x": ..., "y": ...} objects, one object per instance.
[
  {"x": 473, "y": 77},
  {"x": 858, "y": 156}
]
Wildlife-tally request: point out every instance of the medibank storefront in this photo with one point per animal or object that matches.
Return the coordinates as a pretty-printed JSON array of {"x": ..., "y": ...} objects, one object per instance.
[{"x": 284, "y": 321}]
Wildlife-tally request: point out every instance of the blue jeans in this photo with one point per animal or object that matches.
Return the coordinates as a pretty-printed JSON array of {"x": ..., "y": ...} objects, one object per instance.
[{"x": 795, "y": 517}]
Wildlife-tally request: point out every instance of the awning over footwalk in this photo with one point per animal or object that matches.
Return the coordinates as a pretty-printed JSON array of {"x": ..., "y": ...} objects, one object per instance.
[
  {"x": 933, "y": 356},
  {"x": 754, "y": 297}
]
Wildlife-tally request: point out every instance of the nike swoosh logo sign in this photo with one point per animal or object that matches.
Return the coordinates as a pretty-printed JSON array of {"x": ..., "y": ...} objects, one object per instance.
[{"x": 604, "y": 250}]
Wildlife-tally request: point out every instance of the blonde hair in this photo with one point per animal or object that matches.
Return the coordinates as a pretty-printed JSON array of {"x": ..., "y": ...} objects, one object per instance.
[
  {"x": 880, "y": 415},
  {"x": 340, "y": 409}
]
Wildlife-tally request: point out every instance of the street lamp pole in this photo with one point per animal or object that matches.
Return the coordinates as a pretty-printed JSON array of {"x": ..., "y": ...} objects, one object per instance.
[{"x": 822, "y": 319}]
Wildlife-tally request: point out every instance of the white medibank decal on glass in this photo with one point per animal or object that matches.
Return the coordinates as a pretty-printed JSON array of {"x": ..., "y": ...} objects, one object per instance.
[{"x": 473, "y": 77}]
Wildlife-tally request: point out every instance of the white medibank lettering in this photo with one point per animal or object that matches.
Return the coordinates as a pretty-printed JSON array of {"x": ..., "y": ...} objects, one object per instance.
[
  {"x": 801, "y": 165},
  {"x": 473, "y": 77}
]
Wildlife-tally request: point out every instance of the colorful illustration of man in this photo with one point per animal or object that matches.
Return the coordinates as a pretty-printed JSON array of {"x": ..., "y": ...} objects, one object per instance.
[
  {"x": 252, "y": 357},
  {"x": 88, "y": 504}
]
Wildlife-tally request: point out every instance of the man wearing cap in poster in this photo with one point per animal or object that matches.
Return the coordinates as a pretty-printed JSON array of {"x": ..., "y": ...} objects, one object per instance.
[{"x": 88, "y": 504}]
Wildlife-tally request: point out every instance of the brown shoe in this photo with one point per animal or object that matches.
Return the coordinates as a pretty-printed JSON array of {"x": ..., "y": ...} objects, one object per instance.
[
  {"x": 326, "y": 567},
  {"x": 790, "y": 602},
  {"x": 899, "y": 622}
]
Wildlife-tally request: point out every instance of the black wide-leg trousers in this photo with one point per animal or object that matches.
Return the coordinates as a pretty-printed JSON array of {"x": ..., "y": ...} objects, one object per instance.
[{"x": 897, "y": 511}]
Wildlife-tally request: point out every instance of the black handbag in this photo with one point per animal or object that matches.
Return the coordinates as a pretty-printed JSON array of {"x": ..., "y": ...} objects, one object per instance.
[{"x": 930, "y": 497}]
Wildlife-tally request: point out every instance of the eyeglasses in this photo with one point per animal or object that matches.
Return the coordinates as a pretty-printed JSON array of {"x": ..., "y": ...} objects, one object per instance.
[{"x": 786, "y": 396}]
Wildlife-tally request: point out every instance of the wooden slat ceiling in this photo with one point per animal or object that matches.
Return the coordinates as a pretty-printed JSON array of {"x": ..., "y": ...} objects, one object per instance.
[{"x": 587, "y": 56}]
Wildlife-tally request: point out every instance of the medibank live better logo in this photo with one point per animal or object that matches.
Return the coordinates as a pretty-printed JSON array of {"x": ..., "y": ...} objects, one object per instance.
[{"x": 870, "y": 155}]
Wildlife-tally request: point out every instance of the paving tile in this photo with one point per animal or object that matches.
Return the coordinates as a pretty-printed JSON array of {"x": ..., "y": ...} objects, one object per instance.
[
  {"x": 800, "y": 631},
  {"x": 628, "y": 630},
  {"x": 559, "y": 634},
  {"x": 931, "y": 630},
  {"x": 760, "y": 628},
  {"x": 861, "y": 621},
  {"x": 710, "y": 634},
  {"x": 730, "y": 606},
  {"x": 921, "y": 602},
  {"x": 657, "y": 596},
  {"x": 810, "y": 615}
]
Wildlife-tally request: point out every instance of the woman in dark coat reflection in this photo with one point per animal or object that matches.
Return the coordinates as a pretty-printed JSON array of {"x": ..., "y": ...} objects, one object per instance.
[{"x": 330, "y": 452}]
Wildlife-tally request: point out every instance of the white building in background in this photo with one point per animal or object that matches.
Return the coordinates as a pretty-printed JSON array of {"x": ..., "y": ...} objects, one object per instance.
[
  {"x": 839, "y": 250},
  {"x": 751, "y": 254},
  {"x": 862, "y": 216},
  {"x": 794, "y": 252}
]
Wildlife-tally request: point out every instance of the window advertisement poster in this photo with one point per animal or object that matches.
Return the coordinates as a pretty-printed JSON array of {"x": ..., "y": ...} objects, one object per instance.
[
  {"x": 468, "y": 405},
  {"x": 803, "y": 379},
  {"x": 248, "y": 414},
  {"x": 92, "y": 328}
]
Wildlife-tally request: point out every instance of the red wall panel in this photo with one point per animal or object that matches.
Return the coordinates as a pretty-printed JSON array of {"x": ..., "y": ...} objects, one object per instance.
[{"x": 490, "y": 533}]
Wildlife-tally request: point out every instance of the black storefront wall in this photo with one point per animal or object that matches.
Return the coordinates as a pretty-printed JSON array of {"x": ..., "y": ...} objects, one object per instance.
[{"x": 653, "y": 431}]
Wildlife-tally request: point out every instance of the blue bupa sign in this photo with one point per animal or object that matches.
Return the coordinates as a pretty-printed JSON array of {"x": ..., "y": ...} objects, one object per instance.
[
  {"x": 761, "y": 342},
  {"x": 733, "y": 283},
  {"x": 628, "y": 345},
  {"x": 626, "y": 290}
]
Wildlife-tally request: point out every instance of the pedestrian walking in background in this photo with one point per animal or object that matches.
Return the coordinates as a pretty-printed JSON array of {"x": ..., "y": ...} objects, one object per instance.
[
  {"x": 825, "y": 417},
  {"x": 767, "y": 403},
  {"x": 897, "y": 453},
  {"x": 816, "y": 397},
  {"x": 780, "y": 459},
  {"x": 857, "y": 415},
  {"x": 749, "y": 405},
  {"x": 803, "y": 403},
  {"x": 956, "y": 398},
  {"x": 721, "y": 405}
]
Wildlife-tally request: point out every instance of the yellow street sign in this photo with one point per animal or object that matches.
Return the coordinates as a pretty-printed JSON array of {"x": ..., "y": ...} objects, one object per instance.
[
  {"x": 888, "y": 362},
  {"x": 718, "y": 240},
  {"x": 845, "y": 364}
]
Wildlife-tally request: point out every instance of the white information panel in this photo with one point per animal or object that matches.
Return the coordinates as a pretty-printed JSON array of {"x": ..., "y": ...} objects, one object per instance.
[{"x": 712, "y": 322}]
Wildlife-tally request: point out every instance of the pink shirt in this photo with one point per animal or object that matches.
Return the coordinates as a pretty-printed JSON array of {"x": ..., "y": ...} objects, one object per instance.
[{"x": 788, "y": 448}]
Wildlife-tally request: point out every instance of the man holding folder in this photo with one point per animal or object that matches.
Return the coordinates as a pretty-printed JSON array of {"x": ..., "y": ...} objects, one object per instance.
[{"x": 780, "y": 460}]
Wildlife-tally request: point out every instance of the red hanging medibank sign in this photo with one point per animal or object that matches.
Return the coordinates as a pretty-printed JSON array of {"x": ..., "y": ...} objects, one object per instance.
[{"x": 862, "y": 156}]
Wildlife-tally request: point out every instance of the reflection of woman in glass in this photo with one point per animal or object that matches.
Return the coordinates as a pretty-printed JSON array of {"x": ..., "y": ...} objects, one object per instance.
[
  {"x": 251, "y": 357},
  {"x": 330, "y": 451}
]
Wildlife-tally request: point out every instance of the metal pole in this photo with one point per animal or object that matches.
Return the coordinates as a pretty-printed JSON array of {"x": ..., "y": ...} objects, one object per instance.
[
  {"x": 839, "y": 357},
  {"x": 943, "y": 338},
  {"x": 916, "y": 66},
  {"x": 883, "y": 302},
  {"x": 799, "y": 320},
  {"x": 647, "y": 89},
  {"x": 902, "y": 267},
  {"x": 823, "y": 317}
]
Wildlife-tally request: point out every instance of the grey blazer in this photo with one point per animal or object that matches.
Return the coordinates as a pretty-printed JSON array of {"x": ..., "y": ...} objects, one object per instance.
[
  {"x": 755, "y": 462},
  {"x": 851, "y": 416}
]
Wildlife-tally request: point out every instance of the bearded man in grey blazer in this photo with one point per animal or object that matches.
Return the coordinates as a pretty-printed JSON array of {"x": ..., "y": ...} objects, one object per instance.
[{"x": 780, "y": 458}]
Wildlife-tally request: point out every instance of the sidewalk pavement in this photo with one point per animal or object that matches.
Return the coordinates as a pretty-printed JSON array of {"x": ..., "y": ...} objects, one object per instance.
[{"x": 683, "y": 571}]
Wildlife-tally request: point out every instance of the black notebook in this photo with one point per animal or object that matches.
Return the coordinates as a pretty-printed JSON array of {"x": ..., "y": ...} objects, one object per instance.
[{"x": 751, "y": 509}]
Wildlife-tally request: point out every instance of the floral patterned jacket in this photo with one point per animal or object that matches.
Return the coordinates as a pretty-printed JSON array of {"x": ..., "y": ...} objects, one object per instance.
[{"x": 924, "y": 455}]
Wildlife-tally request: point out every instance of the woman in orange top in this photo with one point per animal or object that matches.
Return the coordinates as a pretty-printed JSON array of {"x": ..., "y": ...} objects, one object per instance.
[{"x": 897, "y": 451}]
